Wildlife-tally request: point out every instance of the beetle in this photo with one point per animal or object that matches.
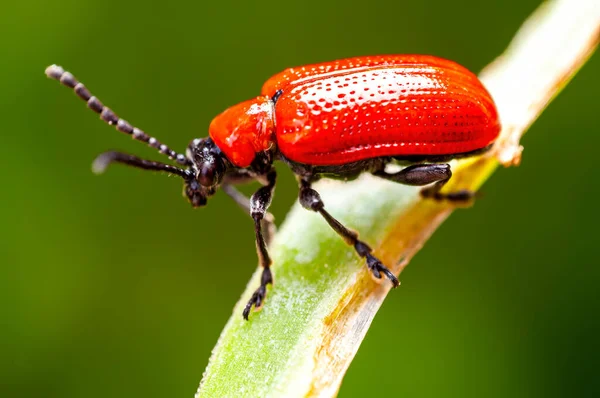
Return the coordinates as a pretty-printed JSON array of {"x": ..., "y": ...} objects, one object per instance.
[{"x": 336, "y": 120}]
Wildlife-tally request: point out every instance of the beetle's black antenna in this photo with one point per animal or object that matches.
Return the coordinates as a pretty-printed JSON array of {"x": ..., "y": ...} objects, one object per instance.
[
  {"x": 103, "y": 160},
  {"x": 66, "y": 78}
]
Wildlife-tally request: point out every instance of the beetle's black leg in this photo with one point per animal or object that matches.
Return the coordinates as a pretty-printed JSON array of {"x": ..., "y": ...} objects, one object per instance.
[
  {"x": 418, "y": 174},
  {"x": 311, "y": 200},
  {"x": 259, "y": 203},
  {"x": 424, "y": 174},
  {"x": 267, "y": 223}
]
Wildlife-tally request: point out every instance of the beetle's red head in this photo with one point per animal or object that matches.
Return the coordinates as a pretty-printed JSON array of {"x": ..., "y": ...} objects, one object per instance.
[{"x": 244, "y": 130}]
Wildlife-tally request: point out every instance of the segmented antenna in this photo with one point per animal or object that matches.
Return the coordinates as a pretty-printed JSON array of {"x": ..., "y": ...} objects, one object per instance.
[
  {"x": 66, "y": 78},
  {"x": 103, "y": 160}
]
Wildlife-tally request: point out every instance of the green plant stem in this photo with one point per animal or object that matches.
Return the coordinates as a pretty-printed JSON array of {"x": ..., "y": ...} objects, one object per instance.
[{"x": 324, "y": 300}]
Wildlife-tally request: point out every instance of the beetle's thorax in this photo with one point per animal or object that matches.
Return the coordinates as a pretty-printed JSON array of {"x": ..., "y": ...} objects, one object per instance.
[{"x": 244, "y": 130}]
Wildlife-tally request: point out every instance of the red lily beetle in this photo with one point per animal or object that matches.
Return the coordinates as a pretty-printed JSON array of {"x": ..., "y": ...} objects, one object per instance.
[{"x": 336, "y": 120}]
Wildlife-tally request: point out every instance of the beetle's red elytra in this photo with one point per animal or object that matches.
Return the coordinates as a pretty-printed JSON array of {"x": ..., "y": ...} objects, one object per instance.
[
  {"x": 336, "y": 120},
  {"x": 359, "y": 108}
]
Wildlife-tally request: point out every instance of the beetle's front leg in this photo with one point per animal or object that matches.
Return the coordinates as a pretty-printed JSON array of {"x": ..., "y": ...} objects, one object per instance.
[
  {"x": 425, "y": 174},
  {"x": 311, "y": 200},
  {"x": 259, "y": 203},
  {"x": 268, "y": 221}
]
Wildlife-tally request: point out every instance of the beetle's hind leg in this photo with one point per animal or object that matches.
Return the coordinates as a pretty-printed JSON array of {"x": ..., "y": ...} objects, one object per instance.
[
  {"x": 311, "y": 200},
  {"x": 437, "y": 174}
]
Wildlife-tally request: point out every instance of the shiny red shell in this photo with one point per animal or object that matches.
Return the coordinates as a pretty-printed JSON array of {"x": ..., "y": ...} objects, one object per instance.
[{"x": 358, "y": 108}]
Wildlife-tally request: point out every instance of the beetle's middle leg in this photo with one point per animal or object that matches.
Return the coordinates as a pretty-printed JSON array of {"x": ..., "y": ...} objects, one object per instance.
[
  {"x": 437, "y": 174},
  {"x": 311, "y": 200}
]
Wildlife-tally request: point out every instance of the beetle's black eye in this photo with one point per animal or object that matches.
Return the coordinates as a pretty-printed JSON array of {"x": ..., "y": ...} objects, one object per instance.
[
  {"x": 207, "y": 174},
  {"x": 210, "y": 172}
]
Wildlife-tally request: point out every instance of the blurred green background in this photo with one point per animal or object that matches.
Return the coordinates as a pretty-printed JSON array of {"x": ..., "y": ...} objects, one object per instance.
[{"x": 113, "y": 286}]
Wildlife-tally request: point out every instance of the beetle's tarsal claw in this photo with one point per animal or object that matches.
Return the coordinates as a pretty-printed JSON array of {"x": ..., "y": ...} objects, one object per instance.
[
  {"x": 255, "y": 301},
  {"x": 377, "y": 268}
]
